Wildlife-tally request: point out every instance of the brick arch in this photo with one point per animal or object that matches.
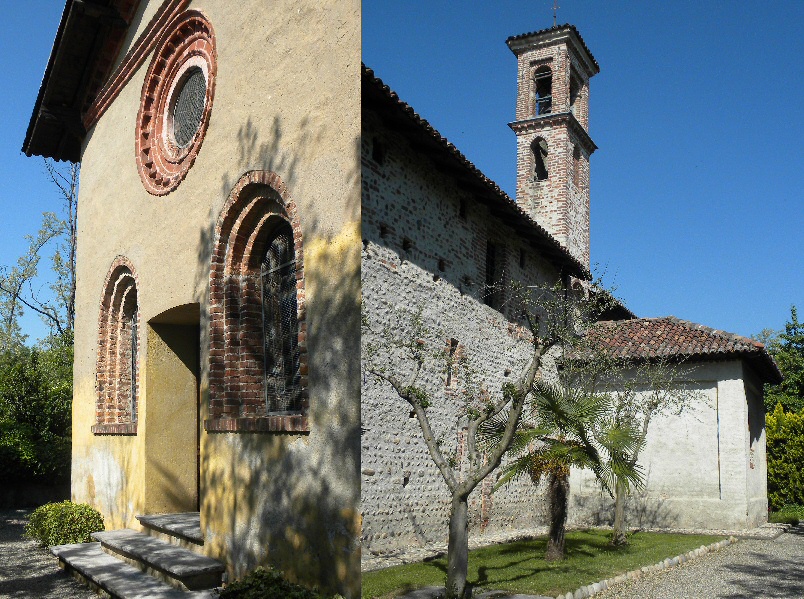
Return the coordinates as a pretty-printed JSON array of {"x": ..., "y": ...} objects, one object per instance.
[
  {"x": 117, "y": 369},
  {"x": 238, "y": 400},
  {"x": 187, "y": 44}
]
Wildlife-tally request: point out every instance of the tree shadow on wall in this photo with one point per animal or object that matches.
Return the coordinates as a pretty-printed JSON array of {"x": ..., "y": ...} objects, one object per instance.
[
  {"x": 287, "y": 499},
  {"x": 641, "y": 509}
]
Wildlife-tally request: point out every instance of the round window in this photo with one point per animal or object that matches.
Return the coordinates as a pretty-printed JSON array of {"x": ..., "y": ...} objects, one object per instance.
[
  {"x": 177, "y": 97},
  {"x": 188, "y": 109}
]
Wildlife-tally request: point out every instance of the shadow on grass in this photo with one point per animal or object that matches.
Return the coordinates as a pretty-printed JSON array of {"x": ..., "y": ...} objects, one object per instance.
[
  {"x": 529, "y": 560},
  {"x": 520, "y": 566}
]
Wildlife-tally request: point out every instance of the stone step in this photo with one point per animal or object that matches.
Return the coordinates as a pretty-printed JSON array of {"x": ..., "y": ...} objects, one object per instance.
[
  {"x": 89, "y": 562},
  {"x": 183, "y": 529},
  {"x": 179, "y": 567}
]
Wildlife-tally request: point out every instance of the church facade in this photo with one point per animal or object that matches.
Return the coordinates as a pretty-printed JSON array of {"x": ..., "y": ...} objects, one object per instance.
[
  {"x": 249, "y": 200},
  {"x": 216, "y": 173}
]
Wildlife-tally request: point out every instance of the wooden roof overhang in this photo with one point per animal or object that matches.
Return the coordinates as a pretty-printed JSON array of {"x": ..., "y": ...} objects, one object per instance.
[{"x": 88, "y": 40}]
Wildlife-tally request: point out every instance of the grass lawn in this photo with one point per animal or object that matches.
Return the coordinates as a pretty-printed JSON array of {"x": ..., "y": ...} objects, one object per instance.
[
  {"x": 520, "y": 566},
  {"x": 790, "y": 514}
]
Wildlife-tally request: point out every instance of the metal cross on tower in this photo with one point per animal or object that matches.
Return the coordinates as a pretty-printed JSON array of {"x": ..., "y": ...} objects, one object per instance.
[{"x": 555, "y": 12}]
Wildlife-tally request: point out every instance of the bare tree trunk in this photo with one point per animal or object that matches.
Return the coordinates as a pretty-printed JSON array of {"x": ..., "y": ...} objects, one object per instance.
[
  {"x": 558, "y": 493},
  {"x": 458, "y": 549},
  {"x": 618, "y": 534}
]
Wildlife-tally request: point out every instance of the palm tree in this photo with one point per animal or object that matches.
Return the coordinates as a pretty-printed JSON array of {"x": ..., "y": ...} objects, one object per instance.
[{"x": 570, "y": 427}]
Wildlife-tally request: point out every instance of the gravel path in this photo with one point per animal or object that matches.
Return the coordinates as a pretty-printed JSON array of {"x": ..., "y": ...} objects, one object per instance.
[
  {"x": 27, "y": 570},
  {"x": 749, "y": 568}
]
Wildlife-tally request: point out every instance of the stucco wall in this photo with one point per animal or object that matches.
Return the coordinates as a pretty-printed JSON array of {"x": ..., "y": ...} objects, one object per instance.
[
  {"x": 697, "y": 464},
  {"x": 405, "y": 501},
  {"x": 756, "y": 457},
  {"x": 286, "y": 101}
]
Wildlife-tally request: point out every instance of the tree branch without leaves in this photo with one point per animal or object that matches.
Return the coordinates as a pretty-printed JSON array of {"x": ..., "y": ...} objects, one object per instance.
[{"x": 17, "y": 283}]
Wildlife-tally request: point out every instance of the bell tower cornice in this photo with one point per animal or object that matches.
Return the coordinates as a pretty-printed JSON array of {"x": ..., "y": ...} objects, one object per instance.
[
  {"x": 567, "y": 119},
  {"x": 566, "y": 35}
]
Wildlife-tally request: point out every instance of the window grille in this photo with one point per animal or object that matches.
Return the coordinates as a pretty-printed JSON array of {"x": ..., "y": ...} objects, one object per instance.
[
  {"x": 280, "y": 325},
  {"x": 189, "y": 107},
  {"x": 543, "y": 83},
  {"x": 133, "y": 364}
]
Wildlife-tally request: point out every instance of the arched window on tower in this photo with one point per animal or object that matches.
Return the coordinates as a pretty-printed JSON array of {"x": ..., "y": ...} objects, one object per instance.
[
  {"x": 543, "y": 90},
  {"x": 575, "y": 92},
  {"x": 539, "y": 150},
  {"x": 280, "y": 326}
]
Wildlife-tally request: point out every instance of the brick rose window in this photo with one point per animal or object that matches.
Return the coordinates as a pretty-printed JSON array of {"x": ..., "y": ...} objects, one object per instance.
[
  {"x": 176, "y": 103},
  {"x": 258, "y": 349},
  {"x": 118, "y": 353}
]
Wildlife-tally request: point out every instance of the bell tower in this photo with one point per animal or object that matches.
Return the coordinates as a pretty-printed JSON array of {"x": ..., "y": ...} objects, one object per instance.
[{"x": 551, "y": 126}]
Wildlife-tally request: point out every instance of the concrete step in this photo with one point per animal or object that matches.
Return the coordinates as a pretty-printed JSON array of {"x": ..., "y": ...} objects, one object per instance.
[
  {"x": 178, "y": 567},
  {"x": 183, "y": 529},
  {"x": 90, "y": 563}
]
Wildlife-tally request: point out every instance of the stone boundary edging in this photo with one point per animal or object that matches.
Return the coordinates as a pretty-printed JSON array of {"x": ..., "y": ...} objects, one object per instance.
[{"x": 671, "y": 562}]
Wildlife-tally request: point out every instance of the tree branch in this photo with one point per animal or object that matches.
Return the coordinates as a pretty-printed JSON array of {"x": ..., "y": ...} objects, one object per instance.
[{"x": 412, "y": 395}]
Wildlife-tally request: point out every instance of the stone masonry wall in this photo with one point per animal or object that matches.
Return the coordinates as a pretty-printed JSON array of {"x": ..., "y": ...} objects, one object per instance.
[{"x": 424, "y": 247}]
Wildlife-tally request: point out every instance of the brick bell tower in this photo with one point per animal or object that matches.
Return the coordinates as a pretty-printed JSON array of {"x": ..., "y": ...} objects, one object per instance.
[{"x": 551, "y": 126}]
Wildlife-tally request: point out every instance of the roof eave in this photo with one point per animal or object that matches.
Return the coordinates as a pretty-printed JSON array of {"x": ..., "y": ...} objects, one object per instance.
[
  {"x": 484, "y": 188},
  {"x": 88, "y": 38}
]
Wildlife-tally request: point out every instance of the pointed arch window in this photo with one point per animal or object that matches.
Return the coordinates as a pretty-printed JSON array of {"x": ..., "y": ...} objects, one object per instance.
[
  {"x": 540, "y": 151},
  {"x": 280, "y": 324},
  {"x": 575, "y": 91},
  {"x": 576, "y": 167},
  {"x": 543, "y": 90}
]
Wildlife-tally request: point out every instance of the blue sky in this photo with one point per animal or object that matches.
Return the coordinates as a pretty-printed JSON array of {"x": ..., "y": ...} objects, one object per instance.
[
  {"x": 26, "y": 38},
  {"x": 697, "y": 208}
]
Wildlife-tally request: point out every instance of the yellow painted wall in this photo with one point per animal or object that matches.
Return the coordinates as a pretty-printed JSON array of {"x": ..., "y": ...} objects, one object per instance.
[
  {"x": 286, "y": 101},
  {"x": 170, "y": 419}
]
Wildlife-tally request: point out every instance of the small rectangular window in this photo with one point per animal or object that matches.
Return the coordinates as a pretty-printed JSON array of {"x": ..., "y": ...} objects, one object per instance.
[
  {"x": 378, "y": 151},
  {"x": 493, "y": 292},
  {"x": 452, "y": 357}
]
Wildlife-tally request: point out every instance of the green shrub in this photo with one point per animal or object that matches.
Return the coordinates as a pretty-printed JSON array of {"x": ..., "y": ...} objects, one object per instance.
[
  {"x": 789, "y": 514},
  {"x": 35, "y": 412},
  {"x": 264, "y": 583},
  {"x": 785, "y": 435},
  {"x": 63, "y": 523}
]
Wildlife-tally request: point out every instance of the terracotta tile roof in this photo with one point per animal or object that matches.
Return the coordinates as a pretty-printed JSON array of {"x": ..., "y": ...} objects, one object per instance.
[
  {"x": 378, "y": 96},
  {"x": 671, "y": 337}
]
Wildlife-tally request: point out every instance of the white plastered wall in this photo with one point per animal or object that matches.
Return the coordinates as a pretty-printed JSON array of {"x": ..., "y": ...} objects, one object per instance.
[{"x": 703, "y": 468}]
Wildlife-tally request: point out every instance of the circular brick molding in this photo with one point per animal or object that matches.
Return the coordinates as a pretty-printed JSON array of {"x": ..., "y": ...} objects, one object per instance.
[{"x": 176, "y": 102}]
